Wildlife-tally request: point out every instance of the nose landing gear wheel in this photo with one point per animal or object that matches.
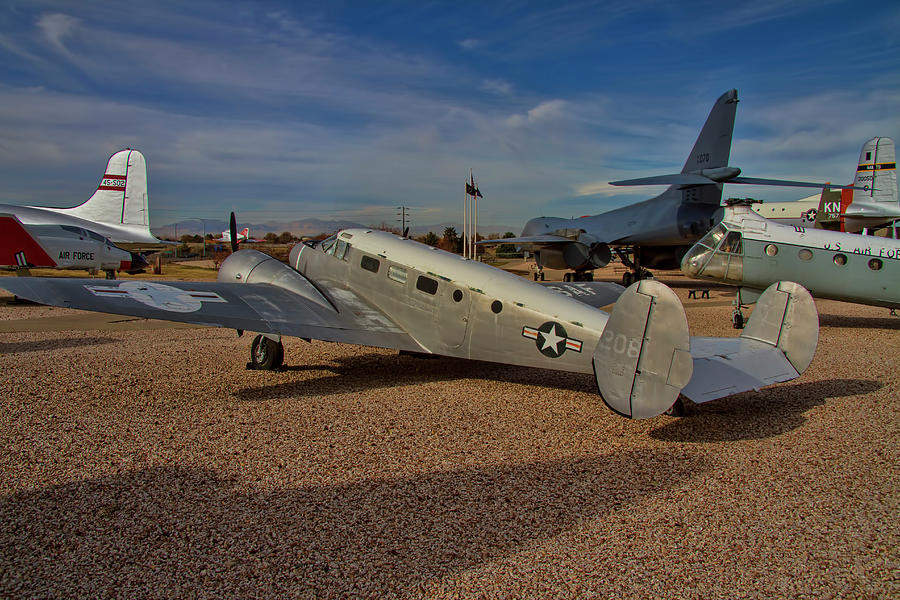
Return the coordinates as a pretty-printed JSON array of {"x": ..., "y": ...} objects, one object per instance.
[{"x": 265, "y": 354}]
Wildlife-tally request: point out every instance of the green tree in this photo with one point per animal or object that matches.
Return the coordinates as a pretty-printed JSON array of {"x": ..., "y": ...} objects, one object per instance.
[
  {"x": 431, "y": 239},
  {"x": 286, "y": 237},
  {"x": 271, "y": 237}
]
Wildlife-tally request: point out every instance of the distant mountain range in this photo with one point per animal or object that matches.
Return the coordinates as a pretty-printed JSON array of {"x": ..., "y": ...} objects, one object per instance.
[{"x": 306, "y": 227}]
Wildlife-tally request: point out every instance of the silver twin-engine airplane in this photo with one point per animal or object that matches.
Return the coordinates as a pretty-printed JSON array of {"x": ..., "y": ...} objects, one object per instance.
[
  {"x": 659, "y": 230},
  {"x": 752, "y": 252},
  {"x": 373, "y": 288}
]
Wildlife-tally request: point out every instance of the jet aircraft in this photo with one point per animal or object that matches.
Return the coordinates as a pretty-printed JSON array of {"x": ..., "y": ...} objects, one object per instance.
[
  {"x": 118, "y": 210},
  {"x": 751, "y": 252},
  {"x": 659, "y": 230},
  {"x": 854, "y": 211},
  {"x": 62, "y": 247},
  {"x": 368, "y": 287}
]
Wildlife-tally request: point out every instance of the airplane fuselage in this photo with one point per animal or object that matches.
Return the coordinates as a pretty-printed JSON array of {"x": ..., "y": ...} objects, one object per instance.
[
  {"x": 752, "y": 252},
  {"x": 117, "y": 233},
  {"x": 58, "y": 247},
  {"x": 454, "y": 306}
]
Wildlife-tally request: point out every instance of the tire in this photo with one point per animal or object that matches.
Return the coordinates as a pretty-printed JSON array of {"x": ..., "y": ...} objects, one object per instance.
[
  {"x": 737, "y": 320},
  {"x": 627, "y": 278},
  {"x": 266, "y": 354}
]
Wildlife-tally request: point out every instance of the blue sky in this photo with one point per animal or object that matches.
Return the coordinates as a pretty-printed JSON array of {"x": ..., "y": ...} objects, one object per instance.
[{"x": 286, "y": 110}]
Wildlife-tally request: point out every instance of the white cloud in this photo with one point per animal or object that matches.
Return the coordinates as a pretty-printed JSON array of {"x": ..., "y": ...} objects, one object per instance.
[
  {"x": 545, "y": 111},
  {"x": 497, "y": 86},
  {"x": 470, "y": 43}
]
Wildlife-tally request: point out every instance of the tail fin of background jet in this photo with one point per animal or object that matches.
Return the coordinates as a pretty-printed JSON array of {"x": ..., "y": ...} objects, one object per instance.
[
  {"x": 121, "y": 198},
  {"x": 877, "y": 171},
  {"x": 713, "y": 145}
]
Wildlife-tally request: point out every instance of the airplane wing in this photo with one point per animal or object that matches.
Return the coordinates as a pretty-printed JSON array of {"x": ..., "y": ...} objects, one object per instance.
[
  {"x": 593, "y": 293},
  {"x": 531, "y": 239},
  {"x": 258, "y": 307}
]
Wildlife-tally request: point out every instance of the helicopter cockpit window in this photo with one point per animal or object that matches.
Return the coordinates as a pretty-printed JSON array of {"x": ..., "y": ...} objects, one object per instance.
[
  {"x": 717, "y": 256},
  {"x": 732, "y": 243}
]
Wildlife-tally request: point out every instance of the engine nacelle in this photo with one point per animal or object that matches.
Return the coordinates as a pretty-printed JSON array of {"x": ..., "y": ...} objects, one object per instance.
[
  {"x": 252, "y": 266},
  {"x": 575, "y": 256}
]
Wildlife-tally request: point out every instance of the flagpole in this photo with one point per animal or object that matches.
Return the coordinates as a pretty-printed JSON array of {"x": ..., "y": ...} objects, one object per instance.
[{"x": 465, "y": 222}]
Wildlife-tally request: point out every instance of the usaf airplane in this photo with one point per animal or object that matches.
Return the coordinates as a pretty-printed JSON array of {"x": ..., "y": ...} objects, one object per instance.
[
  {"x": 62, "y": 247},
  {"x": 659, "y": 230},
  {"x": 875, "y": 205},
  {"x": 373, "y": 288},
  {"x": 118, "y": 210},
  {"x": 752, "y": 252}
]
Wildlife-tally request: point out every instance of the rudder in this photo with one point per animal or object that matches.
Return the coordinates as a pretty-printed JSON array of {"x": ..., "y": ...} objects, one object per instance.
[{"x": 643, "y": 358}]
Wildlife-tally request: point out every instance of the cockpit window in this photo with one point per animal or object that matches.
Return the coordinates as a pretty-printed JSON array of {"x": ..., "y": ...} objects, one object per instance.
[
  {"x": 719, "y": 255},
  {"x": 328, "y": 244},
  {"x": 715, "y": 235},
  {"x": 732, "y": 243},
  {"x": 340, "y": 249}
]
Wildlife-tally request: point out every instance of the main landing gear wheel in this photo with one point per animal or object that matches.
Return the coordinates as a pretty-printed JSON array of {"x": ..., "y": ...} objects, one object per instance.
[
  {"x": 677, "y": 408},
  {"x": 265, "y": 354},
  {"x": 737, "y": 320},
  {"x": 627, "y": 278}
]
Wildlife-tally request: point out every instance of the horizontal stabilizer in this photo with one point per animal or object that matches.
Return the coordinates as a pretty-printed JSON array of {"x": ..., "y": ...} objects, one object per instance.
[
  {"x": 777, "y": 345},
  {"x": 786, "y": 183},
  {"x": 643, "y": 357},
  {"x": 671, "y": 179},
  {"x": 18, "y": 248},
  {"x": 697, "y": 179}
]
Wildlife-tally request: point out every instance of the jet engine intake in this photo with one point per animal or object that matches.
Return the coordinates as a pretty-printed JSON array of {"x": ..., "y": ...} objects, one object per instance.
[{"x": 576, "y": 256}]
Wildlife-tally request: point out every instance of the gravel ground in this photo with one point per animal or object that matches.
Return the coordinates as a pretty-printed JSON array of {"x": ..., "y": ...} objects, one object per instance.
[{"x": 150, "y": 463}]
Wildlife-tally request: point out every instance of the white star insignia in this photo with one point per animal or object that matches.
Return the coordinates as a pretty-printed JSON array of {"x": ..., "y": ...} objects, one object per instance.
[{"x": 552, "y": 339}]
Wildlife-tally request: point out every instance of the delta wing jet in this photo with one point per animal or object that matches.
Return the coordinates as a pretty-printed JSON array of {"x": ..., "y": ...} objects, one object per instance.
[
  {"x": 118, "y": 210},
  {"x": 875, "y": 204},
  {"x": 62, "y": 247},
  {"x": 752, "y": 252},
  {"x": 660, "y": 230},
  {"x": 373, "y": 288}
]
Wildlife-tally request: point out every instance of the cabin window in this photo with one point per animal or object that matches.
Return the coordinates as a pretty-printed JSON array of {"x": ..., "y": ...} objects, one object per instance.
[
  {"x": 328, "y": 245},
  {"x": 427, "y": 285},
  {"x": 771, "y": 250},
  {"x": 875, "y": 264},
  {"x": 805, "y": 254},
  {"x": 496, "y": 306},
  {"x": 397, "y": 274},
  {"x": 732, "y": 243},
  {"x": 340, "y": 249},
  {"x": 457, "y": 295},
  {"x": 347, "y": 236},
  {"x": 370, "y": 264},
  {"x": 840, "y": 260}
]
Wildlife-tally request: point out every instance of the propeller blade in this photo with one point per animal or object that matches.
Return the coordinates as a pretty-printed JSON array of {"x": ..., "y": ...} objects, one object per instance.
[{"x": 232, "y": 229}]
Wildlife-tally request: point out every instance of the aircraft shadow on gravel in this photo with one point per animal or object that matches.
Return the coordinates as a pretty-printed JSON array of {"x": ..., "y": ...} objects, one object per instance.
[
  {"x": 196, "y": 532},
  {"x": 759, "y": 415},
  {"x": 52, "y": 344},
  {"x": 378, "y": 371}
]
